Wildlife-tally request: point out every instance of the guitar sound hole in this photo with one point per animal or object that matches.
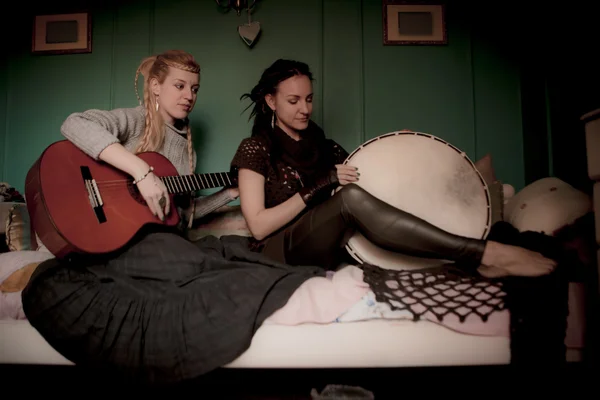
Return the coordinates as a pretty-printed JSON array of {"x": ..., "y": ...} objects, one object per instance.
[{"x": 135, "y": 193}]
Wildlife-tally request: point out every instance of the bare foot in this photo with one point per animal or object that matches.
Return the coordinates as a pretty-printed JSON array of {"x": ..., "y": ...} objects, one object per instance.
[
  {"x": 503, "y": 260},
  {"x": 491, "y": 272}
]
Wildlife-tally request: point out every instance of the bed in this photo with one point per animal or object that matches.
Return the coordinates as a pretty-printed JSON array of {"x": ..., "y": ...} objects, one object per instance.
[
  {"x": 376, "y": 343},
  {"x": 291, "y": 361},
  {"x": 390, "y": 344},
  {"x": 361, "y": 345}
]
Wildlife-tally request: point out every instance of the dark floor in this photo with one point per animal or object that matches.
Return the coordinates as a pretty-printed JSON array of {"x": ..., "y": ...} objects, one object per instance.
[{"x": 391, "y": 383}]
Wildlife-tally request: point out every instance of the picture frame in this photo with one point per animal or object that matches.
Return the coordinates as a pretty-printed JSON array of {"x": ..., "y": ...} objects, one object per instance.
[
  {"x": 62, "y": 33},
  {"x": 414, "y": 23}
]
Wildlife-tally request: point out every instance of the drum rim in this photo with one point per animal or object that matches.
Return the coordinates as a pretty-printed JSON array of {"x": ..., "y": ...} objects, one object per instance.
[{"x": 460, "y": 152}]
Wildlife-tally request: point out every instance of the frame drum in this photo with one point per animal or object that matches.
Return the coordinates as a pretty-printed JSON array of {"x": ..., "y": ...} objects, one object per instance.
[{"x": 428, "y": 177}]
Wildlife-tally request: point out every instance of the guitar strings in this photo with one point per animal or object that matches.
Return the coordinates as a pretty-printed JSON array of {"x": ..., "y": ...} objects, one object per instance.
[
  {"x": 114, "y": 181},
  {"x": 184, "y": 182},
  {"x": 179, "y": 178}
]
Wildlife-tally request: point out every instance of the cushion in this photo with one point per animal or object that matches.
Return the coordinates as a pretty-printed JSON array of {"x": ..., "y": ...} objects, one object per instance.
[
  {"x": 5, "y": 207},
  {"x": 486, "y": 168},
  {"x": 546, "y": 205},
  {"x": 227, "y": 220},
  {"x": 18, "y": 229},
  {"x": 497, "y": 201},
  {"x": 496, "y": 188},
  {"x": 578, "y": 238},
  {"x": 508, "y": 191},
  {"x": 10, "y": 194}
]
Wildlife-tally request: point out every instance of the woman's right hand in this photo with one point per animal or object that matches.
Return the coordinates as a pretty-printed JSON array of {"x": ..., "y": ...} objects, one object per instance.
[
  {"x": 347, "y": 174},
  {"x": 153, "y": 190},
  {"x": 150, "y": 186}
]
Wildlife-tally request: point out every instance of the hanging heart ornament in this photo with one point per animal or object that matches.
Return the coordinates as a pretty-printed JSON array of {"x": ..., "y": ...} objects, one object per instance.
[{"x": 249, "y": 32}]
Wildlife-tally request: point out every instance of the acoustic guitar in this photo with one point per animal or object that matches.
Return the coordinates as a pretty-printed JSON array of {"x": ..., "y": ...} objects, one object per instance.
[{"x": 79, "y": 205}]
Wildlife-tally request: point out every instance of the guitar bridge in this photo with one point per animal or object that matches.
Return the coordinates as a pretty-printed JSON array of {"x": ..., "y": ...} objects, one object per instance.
[{"x": 93, "y": 194}]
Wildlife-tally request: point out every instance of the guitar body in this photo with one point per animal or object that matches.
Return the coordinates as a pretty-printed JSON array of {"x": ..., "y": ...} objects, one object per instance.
[{"x": 62, "y": 211}]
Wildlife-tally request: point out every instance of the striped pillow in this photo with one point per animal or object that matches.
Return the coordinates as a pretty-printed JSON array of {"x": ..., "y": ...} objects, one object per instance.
[{"x": 19, "y": 234}]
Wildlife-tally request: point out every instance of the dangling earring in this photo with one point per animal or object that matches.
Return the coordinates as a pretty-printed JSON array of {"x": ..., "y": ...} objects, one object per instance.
[
  {"x": 273, "y": 120},
  {"x": 156, "y": 104}
]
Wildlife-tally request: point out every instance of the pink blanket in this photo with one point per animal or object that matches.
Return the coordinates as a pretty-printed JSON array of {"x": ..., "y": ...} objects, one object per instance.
[
  {"x": 322, "y": 300},
  {"x": 343, "y": 296}
]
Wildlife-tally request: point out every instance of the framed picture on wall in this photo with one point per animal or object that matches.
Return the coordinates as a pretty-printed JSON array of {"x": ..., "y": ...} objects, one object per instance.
[
  {"x": 414, "y": 23},
  {"x": 62, "y": 33}
]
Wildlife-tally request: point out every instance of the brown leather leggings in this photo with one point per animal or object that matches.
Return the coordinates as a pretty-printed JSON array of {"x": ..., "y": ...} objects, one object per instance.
[{"x": 317, "y": 237}]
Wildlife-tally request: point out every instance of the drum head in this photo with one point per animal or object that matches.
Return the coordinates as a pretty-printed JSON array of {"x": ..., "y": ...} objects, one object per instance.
[{"x": 428, "y": 177}]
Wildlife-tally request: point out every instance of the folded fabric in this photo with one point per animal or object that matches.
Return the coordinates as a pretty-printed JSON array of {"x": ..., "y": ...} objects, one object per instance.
[
  {"x": 468, "y": 306},
  {"x": 322, "y": 300},
  {"x": 18, "y": 279},
  {"x": 16, "y": 268},
  {"x": 11, "y": 306},
  {"x": 15, "y": 260},
  {"x": 497, "y": 324}
]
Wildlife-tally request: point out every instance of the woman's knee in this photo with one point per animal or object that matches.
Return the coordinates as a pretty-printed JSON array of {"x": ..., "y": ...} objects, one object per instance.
[{"x": 354, "y": 194}]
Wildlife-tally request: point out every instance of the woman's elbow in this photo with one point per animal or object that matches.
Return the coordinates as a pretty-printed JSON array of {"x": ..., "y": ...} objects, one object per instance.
[
  {"x": 70, "y": 125},
  {"x": 256, "y": 229},
  {"x": 258, "y": 237},
  {"x": 257, "y": 233}
]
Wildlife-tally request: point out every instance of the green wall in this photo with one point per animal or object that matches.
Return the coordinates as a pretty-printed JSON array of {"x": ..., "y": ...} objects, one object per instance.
[
  {"x": 467, "y": 92},
  {"x": 3, "y": 93}
]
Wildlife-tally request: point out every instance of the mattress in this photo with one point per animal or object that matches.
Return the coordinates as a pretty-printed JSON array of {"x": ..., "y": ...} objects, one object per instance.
[{"x": 364, "y": 344}]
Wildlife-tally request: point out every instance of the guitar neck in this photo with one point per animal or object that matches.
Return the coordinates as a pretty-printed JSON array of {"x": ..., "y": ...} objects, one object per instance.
[{"x": 192, "y": 182}]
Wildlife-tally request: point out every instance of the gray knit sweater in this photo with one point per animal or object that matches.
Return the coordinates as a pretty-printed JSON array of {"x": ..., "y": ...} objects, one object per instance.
[{"x": 94, "y": 130}]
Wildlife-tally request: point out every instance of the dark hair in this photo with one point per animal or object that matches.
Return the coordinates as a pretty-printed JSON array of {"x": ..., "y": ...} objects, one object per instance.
[{"x": 278, "y": 72}]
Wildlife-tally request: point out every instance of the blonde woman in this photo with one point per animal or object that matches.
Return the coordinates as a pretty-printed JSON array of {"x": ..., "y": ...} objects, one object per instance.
[
  {"x": 163, "y": 309},
  {"x": 161, "y": 124}
]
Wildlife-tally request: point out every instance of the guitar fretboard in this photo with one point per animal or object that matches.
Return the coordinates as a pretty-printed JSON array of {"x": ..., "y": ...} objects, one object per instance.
[{"x": 193, "y": 182}]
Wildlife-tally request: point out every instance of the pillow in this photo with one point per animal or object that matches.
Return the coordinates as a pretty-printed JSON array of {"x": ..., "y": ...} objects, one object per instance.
[
  {"x": 228, "y": 220},
  {"x": 546, "y": 205},
  {"x": 508, "y": 191},
  {"x": 5, "y": 207},
  {"x": 496, "y": 188},
  {"x": 497, "y": 201},
  {"x": 579, "y": 238},
  {"x": 485, "y": 167},
  {"x": 18, "y": 229}
]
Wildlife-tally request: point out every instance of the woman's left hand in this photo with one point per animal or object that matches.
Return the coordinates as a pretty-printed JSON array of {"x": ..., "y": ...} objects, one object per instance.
[
  {"x": 233, "y": 193},
  {"x": 347, "y": 174}
]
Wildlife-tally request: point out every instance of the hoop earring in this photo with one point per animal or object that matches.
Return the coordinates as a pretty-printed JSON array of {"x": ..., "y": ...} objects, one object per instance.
[{"x": 273, "y": 120}]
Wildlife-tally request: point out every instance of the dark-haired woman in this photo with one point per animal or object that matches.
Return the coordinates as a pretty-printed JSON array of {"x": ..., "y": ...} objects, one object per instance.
[{"x": 287, "y": 169}]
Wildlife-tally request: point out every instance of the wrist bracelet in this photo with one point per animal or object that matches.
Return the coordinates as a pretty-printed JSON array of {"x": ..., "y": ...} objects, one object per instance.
[{"x": 143, "y": 176}]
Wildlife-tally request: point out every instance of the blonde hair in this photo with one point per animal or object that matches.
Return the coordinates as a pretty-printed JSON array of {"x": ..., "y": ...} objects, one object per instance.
[
  {"x": 158, "y": 67},
  {"x": 154, "y": 133}
]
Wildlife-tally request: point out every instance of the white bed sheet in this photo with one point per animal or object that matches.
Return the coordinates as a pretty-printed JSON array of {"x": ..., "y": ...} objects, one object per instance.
[{"x": 375, "y": 343}]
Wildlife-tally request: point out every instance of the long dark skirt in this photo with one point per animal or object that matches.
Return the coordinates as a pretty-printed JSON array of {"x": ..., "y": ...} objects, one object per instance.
[{"x": 162, "y": 311}]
